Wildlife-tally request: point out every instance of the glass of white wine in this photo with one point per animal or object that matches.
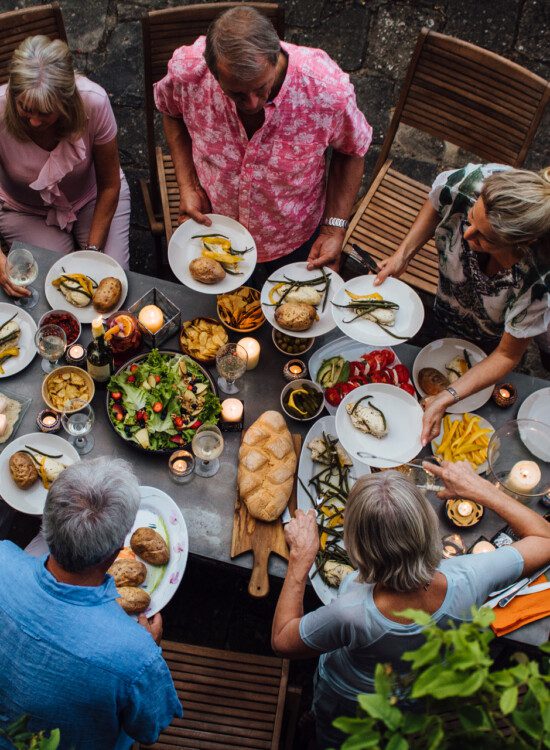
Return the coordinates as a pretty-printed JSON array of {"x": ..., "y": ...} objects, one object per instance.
[
  {"x": 231, "y": 362},
  {"x": 78, "y": 420},
  {"x": 207, "y": 446},
  {"x": 22, "y": 270},
  {"x": 51, "y": 342}
]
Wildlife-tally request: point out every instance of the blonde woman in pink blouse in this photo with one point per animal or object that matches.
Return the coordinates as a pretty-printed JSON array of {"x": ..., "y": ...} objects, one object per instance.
[{"x": 61, "y": 186}]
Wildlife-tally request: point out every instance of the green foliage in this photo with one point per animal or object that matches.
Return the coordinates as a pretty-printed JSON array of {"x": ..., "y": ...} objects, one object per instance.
[
  {"x": 452, "y": 673},
  {"x": 22, "y": 739}
]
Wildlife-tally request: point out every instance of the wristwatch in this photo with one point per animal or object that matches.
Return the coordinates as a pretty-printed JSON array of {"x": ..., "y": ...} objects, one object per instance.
[
  {"x": 95, "y": 248},
  {"x": 453, "y": 393},
  {"x": 333, "y": 221}
]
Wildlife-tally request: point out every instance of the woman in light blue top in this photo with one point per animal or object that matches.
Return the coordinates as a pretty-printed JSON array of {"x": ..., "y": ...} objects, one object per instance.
[{"x": 392, "y": 535}]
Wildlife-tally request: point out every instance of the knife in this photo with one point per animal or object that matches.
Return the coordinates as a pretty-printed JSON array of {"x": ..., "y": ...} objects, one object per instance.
[
  {"x": 364, "y": 258},
  {"x": 521, "y": 585}
]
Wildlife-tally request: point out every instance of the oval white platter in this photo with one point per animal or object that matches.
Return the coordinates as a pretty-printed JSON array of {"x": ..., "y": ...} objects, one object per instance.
[{"x": 27, "y": 347}]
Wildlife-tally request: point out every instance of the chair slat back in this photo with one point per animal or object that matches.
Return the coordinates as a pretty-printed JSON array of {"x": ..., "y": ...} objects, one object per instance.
[
  {"x": 471, "y": 97},
  {"x": 17, "y": 25}
]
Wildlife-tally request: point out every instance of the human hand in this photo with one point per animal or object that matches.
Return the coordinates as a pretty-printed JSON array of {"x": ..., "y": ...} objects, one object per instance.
[
  {"x": 152, "y": 625},
  {"x": 393, "y": 266},
  {"x": 327, "y": 249},
  {"x": 434, "y": 410},
  {"x": 12, "y": 289},
  {"x": 194, "y": 204},
  {"x": 302, "y": 538},
  {"x": 459, "y": 478}
]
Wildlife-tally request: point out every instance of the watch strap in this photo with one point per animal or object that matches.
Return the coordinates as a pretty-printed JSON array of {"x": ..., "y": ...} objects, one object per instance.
[
  {"x": 334, "y": 221},
  {"x": 453, "y": 393}
]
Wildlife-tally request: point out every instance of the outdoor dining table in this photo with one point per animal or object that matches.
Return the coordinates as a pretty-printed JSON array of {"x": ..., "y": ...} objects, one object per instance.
[{"x": 208, "y": 504}]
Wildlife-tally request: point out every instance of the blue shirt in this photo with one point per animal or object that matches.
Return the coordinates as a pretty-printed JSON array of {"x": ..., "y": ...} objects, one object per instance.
[
  {"x": 73, "y": 659},
  {"x": 357, "y": 636}
]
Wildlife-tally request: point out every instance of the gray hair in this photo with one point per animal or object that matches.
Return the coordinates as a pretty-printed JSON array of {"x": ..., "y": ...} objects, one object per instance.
[
  {"x": 89, "y": 510},
  {"x": 517, "y": 202},
  {"x": 391, "y": 532},
  {"x": 245, "y": 40}
]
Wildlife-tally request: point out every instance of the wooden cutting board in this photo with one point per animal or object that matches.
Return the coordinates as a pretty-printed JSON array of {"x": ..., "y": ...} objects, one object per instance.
[{"x": 260, "y": 537}]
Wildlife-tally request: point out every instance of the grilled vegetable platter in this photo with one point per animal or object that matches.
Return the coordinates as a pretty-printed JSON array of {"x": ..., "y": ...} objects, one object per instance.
[
  {"x": 157, "y": 401},
  {"x": 17, "y": 348},
  {"x": 326, "y": 473}
]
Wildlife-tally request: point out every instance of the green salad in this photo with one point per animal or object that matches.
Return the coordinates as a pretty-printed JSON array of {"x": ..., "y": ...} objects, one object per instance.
[{"x": 160, "y": 402}]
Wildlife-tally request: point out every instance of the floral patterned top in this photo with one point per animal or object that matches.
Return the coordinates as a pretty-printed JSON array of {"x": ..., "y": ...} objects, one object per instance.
[
  {"x": 469, "y": 303},
  {"x": 273, "y": 183}
]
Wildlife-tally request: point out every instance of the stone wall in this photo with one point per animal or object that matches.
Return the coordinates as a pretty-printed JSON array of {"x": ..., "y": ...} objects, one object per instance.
[{"x": 371, "y": 39}]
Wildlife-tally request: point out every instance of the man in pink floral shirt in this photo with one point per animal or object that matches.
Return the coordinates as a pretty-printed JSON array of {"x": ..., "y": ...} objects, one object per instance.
[{"x": 249, "y": 120}]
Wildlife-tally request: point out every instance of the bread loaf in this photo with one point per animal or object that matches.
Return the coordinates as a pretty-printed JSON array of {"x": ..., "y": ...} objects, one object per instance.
[{"x": 267, "y": 462}]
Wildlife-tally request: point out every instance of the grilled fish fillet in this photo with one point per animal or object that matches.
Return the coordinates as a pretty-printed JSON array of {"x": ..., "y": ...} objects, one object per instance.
[
  {"x": 317, "y": 448},
  {"x": 9, "y": 335},
  {"x": 368, "y": 419}
]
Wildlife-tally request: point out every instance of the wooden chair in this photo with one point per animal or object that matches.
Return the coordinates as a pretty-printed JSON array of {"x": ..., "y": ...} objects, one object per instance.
[
  {"x": 164, "y": 31},
  {"x": 459, "y": 93},
  {"x": 17, "y": 25},
  {"x": 231, "y": 701}
]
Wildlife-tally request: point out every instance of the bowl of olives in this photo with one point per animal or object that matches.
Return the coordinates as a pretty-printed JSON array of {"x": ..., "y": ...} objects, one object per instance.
[{"x": 290, "y": 345}]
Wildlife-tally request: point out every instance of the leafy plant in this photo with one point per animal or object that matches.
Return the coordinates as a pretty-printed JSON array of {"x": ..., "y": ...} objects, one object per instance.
[
  {"x": 22, "y": 739},
  {"x": 451, "y": 673}
]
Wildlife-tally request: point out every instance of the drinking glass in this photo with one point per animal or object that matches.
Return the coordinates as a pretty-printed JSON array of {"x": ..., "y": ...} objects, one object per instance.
[
  {"x": 51, "y": 342},
  {"x": 79, "y": 424},
  {"x": 207, "y": 446},
  {"x": 231, "y": 362},
  {"x": 22, "y": 270}
]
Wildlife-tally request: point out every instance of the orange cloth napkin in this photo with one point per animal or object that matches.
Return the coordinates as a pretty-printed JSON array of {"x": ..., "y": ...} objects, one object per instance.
[{"x": 522, "y": 610}]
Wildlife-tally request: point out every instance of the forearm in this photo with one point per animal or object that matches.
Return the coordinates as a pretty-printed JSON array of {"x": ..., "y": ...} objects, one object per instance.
[
  {"x": 180, "y": 145},
  {"x": 344, "y": 178},
  {"x": 524, "y": 521},
  {"x": 105, "y": 208},
  {"x": 290, "y": 607},
  {"x": 421, "y": 231}
]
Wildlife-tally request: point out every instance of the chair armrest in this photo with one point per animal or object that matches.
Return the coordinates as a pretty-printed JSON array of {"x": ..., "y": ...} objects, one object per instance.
[{"x": 156, "y": 224}]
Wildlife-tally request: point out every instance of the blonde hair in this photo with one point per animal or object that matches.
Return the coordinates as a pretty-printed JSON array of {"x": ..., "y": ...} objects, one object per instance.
[
  {"x": 517, "y": 203},
  {"x": 391, "y": 532},
  {"x": 42, "y": 74}
]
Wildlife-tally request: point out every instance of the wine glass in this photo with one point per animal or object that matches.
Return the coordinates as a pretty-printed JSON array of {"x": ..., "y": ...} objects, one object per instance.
[
  {"x": 22, "y": 270},
  {"x": 78, "y": 419},
  {"x": 231, "y": 362},
  {"x": 51, "y": 342},
  {"x": 207, "y": 445}
]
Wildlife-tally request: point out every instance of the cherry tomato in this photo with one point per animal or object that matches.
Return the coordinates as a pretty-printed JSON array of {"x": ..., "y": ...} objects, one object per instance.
[
  {"x": 381, "y": 377},
  {"x": 131, "y": 378},
  {"x": 197, "y": 423},
  {"x": 333, "y": 396},
  {"x": 157, "y": 407},
  {"x": 133, "y": 368},
  {"x": 178, "y": 422},
  {"x": 157, "y": 378},
  {"x": 116, "y": 395},
  {"x": 119, "y": 415}
]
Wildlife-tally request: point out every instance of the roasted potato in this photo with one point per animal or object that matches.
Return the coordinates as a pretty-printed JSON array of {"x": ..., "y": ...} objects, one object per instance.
[
  {"x": 133, "y": 600},
  {"x": 23, "y": 470},
  {"x": 107, "y": 295},
  {"x": 150, "y": 546},
  {"x": 128, "y": 572},
  {"x": 206, "y": 270},
  {"x": 295, "y": 316},
  {"x": 432, "y": 381}
]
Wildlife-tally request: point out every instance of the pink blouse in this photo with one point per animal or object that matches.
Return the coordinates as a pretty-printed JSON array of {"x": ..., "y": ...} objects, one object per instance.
[
  {"x": 55, "y": 184},
  {"x": 273, "y": 183}
]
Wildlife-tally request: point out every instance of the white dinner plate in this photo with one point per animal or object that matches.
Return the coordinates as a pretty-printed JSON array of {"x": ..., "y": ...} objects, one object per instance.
[
  {"x": 483, "y": 423},
  {"x": 408, "y": 318},
  {"x": 306, "y": 469},
  {"x": 536, "y": 406},
  {"x": 33, "y": 499},
  {"x": 182, "y": 249},
  {"x": 441, "y": 352},
  {"x": 341, "y": 347},
  {"x": 298, "y": 272},
  {"x": 159, "y": 512},
  {"x": 93, "y": 264},
  {"x": 404, "y": 421},
  {"x": 27, "y": 348}
]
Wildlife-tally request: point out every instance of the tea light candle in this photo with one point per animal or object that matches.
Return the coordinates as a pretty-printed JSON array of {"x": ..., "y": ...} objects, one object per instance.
[
  {"x": 181, "y": 465},
  {"x": 252, "y": 348},
  {"x": 464, "y": 508},
  {"x": 48, "y": 421},
  {"x": 76, "y": 355},
  {"x": 523, "y": 477},
  {"x": 232, "y": 410},
  {"x": 151, "y": 317},
  {"x": 294, "y": 369},
  {"x": 504, "y": 395}
]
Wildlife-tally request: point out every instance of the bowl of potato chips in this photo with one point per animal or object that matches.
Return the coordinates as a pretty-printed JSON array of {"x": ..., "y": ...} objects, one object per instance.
[
  {"x": 241, "y": 310},
  {"x": 66, "y": 384},
  {"x": 201, "y": 338}
]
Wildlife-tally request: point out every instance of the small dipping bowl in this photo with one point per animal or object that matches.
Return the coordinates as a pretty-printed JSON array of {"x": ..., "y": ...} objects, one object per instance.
[
  {"x": 65, "y": 320},
  {"x": 294, "y": 386},
  {"x": 181, "y": 466},
  {"x": 48, "y": 421},
  {"x": 284, "y": 342}
]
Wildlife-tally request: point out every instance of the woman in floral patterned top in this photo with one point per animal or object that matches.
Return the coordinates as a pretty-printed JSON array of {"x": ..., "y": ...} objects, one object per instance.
[{"x": 491, "y": 226}]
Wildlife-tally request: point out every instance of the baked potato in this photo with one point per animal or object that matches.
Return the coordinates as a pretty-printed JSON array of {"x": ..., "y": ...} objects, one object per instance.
[
  {"x": 23, "y": 470},
  {"x": 432, "y": 381},
  {"x": 206, "y": 270},
  {"x": 295, "y": 316},
  {"x": 132, "y": 599},
  {"x": 128, "y": 572},
  {"x": 150, "y": 546},
  {"x": 107, "y": 294}
]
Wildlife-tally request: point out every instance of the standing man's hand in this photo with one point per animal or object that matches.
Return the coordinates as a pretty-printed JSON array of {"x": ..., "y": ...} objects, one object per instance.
[
  {"x": 152, "y": 625},
  {"x": 327, "y": 249},
  {"x": 194, "y": 204}
]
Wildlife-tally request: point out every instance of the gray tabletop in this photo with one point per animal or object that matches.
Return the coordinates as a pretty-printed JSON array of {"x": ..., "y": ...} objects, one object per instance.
[{"x": 207, "y": 504}]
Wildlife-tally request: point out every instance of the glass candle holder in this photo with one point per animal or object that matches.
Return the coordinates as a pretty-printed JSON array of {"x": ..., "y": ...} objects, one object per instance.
[
  {"x": 48, "y": 421},
  {"x": 181, "y": 466},
  {"x": 76, "y": 356},
  {"x": 123, "y": 335},
  {"x": 505, "y": 395},
  {"x": 519, "y": 459},
  {"x": 294, "y": 370}
]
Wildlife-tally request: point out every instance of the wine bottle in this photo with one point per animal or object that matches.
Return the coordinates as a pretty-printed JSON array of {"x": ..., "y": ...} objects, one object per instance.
[{"x": 99, "y": 357}]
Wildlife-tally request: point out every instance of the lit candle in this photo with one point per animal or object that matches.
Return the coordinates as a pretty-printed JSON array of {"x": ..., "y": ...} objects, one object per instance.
[
  {"x": 504, "y": 393},
  {"x": 181, "y": 465},
  {"x": 48, "y": 421},
  {"x": 76, "y": 351},
  {"x": 464, "y": 508},
  {"x": 523, "y": 477},
  {"x": 295, "y": 369},
  {"x": 151, "y": 317},
  {"x": 252, "y": 348},
  {"x": 232, "y": 410}
]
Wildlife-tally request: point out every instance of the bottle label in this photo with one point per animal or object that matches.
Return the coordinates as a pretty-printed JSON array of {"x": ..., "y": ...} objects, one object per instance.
[{"x": 100, "y": 373}]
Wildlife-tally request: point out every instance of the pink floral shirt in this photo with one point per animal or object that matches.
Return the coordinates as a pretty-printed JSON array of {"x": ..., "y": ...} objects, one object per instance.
[{"x": 273, "y": 183}]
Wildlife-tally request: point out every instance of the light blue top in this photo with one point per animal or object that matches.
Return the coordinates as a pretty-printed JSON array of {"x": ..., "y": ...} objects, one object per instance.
[
  {"x": 355, "y": 636},
  {"x": 73, "y": 659}
]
